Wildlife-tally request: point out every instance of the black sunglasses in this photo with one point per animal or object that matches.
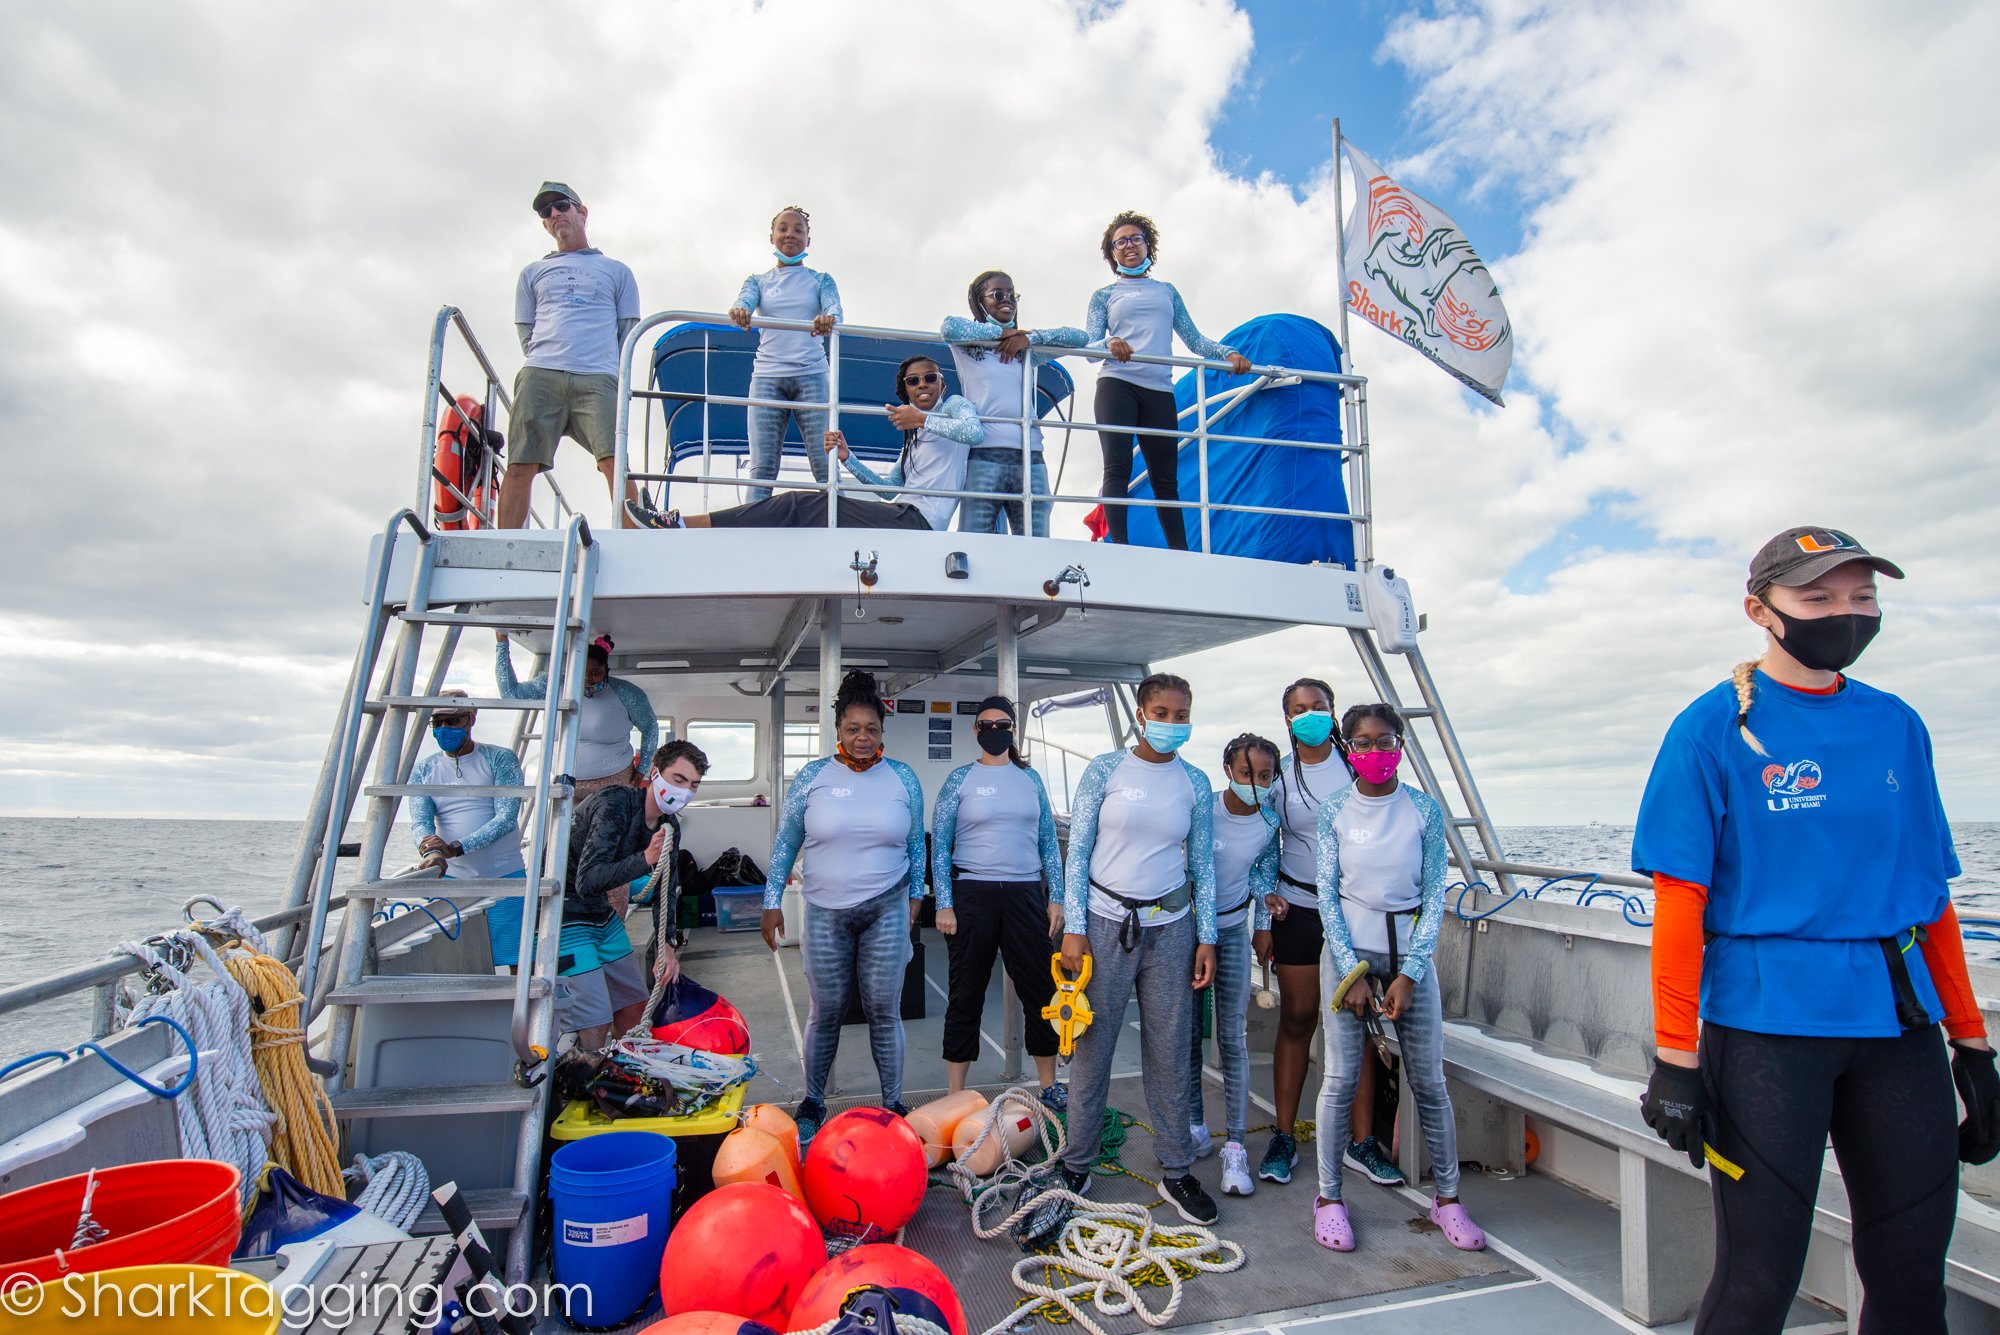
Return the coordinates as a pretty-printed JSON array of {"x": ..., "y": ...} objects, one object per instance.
[
  {"x": 995, "y": 725},
  {"x": 449, "y": 720},
  {"x": 553, "y": 206},
  {"x": 927, "y": 378}
]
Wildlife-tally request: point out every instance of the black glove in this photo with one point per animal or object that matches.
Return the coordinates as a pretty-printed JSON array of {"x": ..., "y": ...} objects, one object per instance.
[
  {"x": 1979, "y": 1089},
  {"x": 1676, "y": 1106}
]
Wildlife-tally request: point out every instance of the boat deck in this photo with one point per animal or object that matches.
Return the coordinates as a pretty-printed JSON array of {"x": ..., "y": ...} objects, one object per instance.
[{"x": 1553, "y": 1265}]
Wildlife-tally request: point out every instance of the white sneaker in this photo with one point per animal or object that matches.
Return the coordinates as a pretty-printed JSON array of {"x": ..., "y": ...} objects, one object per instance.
[
  {"x": 1204, "y": 1144},
  {"x": 1236, "y": 1179}
]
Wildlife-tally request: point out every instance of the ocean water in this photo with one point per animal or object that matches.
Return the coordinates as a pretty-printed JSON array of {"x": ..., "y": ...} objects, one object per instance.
[{"x": 72, "y": 890}]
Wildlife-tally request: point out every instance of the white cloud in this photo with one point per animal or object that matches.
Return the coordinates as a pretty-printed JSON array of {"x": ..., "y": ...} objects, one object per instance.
[{"x": 1753, "y": 289}]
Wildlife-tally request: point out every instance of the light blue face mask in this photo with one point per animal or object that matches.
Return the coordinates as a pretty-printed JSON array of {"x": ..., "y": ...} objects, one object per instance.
[
  {"x": 449, "y": 739},
  {"x": 1167, "y": 738},
  {"x": 1313, "y": 727},
  {"x": 789, "y": 260},
  {"x": 1257, "y": 795},
  {"x": 1135, "y": 272},
  {"x": 593, "y": 689}
]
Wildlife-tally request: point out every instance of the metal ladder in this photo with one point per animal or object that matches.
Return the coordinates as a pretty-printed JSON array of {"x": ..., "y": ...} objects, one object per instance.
[
  {"x": 397, "y": 714},
  {"x": 1469, "y": 813}
]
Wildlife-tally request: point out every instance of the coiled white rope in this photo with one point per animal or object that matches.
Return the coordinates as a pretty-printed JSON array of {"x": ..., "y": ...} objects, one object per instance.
[
  {"x": 395, "y": 1186},
  {"x": 223, "y": 1117},
  {"x": 1107, "y": 1245}
]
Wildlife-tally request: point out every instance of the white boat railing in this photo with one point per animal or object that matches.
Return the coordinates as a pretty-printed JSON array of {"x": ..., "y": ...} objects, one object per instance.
[
  {"x": 493, "y": 401},
  {"x": 1198, "y": 427}
]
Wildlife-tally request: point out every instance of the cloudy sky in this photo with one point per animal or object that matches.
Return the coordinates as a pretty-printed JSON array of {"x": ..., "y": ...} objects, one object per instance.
[{"x": 1745, "y": 249}]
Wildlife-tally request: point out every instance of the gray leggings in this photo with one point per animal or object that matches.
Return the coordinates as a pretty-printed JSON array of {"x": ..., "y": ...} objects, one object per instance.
[
  {"x": 1161, "y": 970},
  {"x": 865, "y": 947},
  {"x": 1420, "y": 1041}
]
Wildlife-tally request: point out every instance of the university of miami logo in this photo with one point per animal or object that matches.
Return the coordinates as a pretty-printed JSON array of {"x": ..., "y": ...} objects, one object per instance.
[{"x": 1793, "y": 787}]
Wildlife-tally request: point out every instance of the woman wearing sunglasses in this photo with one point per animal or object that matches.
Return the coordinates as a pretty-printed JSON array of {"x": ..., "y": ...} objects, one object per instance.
[
  {"x": 937, "y": 429},
  {"x": 997, "y": 872},
  {"x": 994, "y": 378},
  {"x": 1137, "y": 314}
]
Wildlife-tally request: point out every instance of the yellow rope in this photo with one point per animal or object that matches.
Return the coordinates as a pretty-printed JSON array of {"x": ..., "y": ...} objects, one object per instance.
[{"x": 303, "y": 1142}]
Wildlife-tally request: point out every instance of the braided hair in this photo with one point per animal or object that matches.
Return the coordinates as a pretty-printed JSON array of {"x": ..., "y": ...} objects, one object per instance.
[
  {"x": 1159, "y": 682},
  {"x": 972, "y": 292},
  {"x": 858, "y": 689},
  {"x": 1744, "y": 678},
  {"x": 804, "y": 217},
  {"x": 1339, "y": 742},
  {"x": 1246, "y": 742}
]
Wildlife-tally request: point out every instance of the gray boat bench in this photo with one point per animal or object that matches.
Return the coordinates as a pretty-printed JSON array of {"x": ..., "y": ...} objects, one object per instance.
[{"x": 1666, "y": 1221}]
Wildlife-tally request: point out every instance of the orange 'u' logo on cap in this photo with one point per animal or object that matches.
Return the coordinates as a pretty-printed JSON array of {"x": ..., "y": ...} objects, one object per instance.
[{"x": 1813, "y": 543}]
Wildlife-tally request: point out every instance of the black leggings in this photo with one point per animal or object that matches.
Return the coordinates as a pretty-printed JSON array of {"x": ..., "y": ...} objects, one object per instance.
[
  {"x": 1122, "y": 403},
  {"x": 807, "y": 509},
  {"x": 1889, "y": 1105},
  {"x": 1009, "y": 919}
]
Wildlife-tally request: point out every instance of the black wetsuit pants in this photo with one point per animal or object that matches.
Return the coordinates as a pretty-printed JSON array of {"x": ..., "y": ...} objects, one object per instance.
[
  {"x": 1120, "y": 403},
  {"x": 1008, "y": 920},
  {"x": 1889, "y": 1106},
  {"x": 807, "y": 509}
]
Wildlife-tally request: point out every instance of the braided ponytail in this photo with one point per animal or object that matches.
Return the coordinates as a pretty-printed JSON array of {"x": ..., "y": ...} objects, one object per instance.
[{"x": 1744, "y": 679}]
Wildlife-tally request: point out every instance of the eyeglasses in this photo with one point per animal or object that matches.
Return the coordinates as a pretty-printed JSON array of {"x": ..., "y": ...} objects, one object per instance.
[
  {"x": 553, "y": 206},
  {"x": 1366, "y": 744},
  {"x": 1125, "y": 242},
  {"x": 994, "y": 725},
  {"x": 927, "y": 378}
]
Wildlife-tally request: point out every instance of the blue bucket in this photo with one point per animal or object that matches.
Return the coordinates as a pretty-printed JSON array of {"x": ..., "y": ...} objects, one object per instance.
[{"x": 613, "y": 1198}]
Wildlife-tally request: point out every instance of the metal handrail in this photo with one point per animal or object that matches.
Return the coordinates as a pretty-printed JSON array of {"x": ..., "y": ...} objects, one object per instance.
[
  {"x": 1353, "y": 450},
  {"x": 1531, "y": 869},
  {"x": 450, "y": 317}
]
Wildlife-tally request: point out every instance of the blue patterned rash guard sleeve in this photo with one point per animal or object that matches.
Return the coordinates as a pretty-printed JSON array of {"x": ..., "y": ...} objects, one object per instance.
[
  {"x": 1327, "y": 873},
  {"x": 1201, "y": 855},
  {"x": 829, "y": 296},
  {"x": 1084, "y": 807},
  {"x": 505, "y": 767},
  {"x": 1430, "y": 918},
  {"x": 424, "y": 810},
  {"x": 959, "y": 329},
  {"x": 915, "y": 792},
  {"x": 892, "y": 476},
  {"x": 1051, "y": 845},
  {"x": 791, "y": 833},
  {"x": 1097, "y": 320},
  {"x": 640, "y": 710},
  {"x": 1263, "y": 881},
  {"x": 944, "y": 834},
  {"x": 956, "y": 419},
  {"x": 749, "y": 294},
  {"x": 503, "y": 676},
  {"x": 1184, "y": 326}
]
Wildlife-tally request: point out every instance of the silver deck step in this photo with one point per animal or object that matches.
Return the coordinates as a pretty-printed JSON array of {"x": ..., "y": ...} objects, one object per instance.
[
  {"x": 418, "y": 988},
  {"x": 489, "y": 620},
  {"x": 431, "y": 1101},
  {"x": 534, "y": 704},
  {"x": 456, "y": 790},
  {"x": 492, "y": 1208}
]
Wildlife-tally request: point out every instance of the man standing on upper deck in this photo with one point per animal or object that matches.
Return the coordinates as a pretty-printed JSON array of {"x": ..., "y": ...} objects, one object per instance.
[{"x": 573, "y": 308}]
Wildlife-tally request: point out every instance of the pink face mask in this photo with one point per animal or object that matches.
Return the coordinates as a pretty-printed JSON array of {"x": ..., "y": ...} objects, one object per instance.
[{"x": 1376, "y": 766}]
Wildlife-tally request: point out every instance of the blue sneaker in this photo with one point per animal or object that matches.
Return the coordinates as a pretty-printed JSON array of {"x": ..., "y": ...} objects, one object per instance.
[
  {"x": 1056, "y": 1098},
  {"x": 811, "y": 1114},
  {"x": 1280, "y": 1158},
  {"x": 1368, "y": 1158}
]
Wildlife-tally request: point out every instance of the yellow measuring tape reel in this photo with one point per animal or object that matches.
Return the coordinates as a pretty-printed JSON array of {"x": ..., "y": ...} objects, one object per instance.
[{"x": 1069, "y": 1009}]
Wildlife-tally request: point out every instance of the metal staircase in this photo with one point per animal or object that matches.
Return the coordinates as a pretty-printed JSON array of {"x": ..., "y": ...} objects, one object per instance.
[{"x": 386, "y": 723}]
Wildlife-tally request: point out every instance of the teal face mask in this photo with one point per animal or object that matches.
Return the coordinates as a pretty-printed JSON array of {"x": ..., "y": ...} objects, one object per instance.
[
  {"x": 1137, "y": 270},
  {"x": 1167, "y": 738},
  {"x": 786, "y": 261},
  {"x": 449, "y": 739},
  {"x": 1256, "y": 795},
  {"x": 1313, "y": 727}
]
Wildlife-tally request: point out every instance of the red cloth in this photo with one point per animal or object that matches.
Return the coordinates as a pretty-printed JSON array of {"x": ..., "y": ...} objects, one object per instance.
[{"x": 1677, "y": 945}]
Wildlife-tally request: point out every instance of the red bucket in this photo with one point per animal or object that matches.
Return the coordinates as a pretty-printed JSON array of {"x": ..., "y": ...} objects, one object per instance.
[{"x": 168, "y": 1212}]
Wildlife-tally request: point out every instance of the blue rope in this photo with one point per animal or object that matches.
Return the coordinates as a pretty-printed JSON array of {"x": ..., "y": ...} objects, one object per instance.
[
  {"x": 194, "y": 1060},
  {"x": 1589, "y": 891},
  {"x": 398, "y": 907},
  {"x": 1985, "y": 929}
]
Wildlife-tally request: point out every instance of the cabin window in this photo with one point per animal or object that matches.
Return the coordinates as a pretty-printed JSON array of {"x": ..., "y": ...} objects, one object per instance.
[
  {"x": 801, "y": 745},
  {"x": 731, "y": 748}
]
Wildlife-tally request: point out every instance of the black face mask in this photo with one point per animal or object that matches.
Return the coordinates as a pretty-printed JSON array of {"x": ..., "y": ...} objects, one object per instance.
[
  {"x": 1827, "y": 644},
  {"x": 995, "y": 741}
]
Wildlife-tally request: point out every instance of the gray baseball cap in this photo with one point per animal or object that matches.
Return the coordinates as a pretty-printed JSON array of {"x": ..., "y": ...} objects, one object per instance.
[
  {"x": 1801, "y": 555},
  {"x": 556, "y": 188}
]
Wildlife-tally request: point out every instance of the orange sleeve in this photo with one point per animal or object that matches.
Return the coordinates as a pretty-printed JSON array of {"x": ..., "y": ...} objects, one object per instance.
[
  {"x": 1677, "y": 944},
  {"x": 1944, "y": 952}
]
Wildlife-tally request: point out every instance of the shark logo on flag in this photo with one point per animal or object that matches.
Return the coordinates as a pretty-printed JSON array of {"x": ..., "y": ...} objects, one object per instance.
[{"x": 1411, "y": 273}]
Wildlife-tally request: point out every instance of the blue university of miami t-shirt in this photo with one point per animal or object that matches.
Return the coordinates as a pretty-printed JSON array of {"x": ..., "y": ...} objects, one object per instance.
[{"x": 1812, "y": 854}]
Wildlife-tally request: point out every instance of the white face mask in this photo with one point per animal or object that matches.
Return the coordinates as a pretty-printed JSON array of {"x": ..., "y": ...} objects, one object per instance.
[{"x": 667, "y": 797}]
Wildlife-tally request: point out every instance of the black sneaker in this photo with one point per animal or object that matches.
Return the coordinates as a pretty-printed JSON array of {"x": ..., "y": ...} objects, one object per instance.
[
  {"x": 810, "y": 1115},
  {"x": 1041, "y": 1226},
  {"x": 1187, "y": 1197},
  {"x": 645, "y": 516},
  {"x": 900, "y": 1108}
]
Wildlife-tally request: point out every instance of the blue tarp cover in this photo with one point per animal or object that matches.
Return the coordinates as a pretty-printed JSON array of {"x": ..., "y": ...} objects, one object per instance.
[{"x": 1271, "y": 475}]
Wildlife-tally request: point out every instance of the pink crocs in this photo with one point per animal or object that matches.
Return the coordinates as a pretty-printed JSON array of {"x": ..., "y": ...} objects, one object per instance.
[
  {"x": 1459, "y": 1230},
  {"x": 1331, "y": 1228}
]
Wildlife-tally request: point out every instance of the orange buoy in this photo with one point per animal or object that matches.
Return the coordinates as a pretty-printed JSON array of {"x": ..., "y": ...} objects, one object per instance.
[
  {"x": 1013, "y": 1132},
  {"x": 749, "y": 1155},
  {"x": 776, "y": 1123},
  {"x": 936, "y": 1120},
  {"x": 920, "y": 1288},
  {"x": 706, "y": 1323},
  {"x": 864, "y": 1173},
  {"x": 458, "y": 464},
  {"x": 1534, "y": 1147},
  {"x": 746, "y": 1249}
]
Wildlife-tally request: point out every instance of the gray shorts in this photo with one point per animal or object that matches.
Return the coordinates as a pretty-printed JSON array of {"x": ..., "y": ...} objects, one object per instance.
[
  {"x": 549, "y": 405},
  {"x": 584, "y": 1000}
]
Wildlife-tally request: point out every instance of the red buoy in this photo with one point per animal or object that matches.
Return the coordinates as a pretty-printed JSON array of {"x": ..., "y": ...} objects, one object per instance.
[
  {"x": 919, "y": 1287},
  {"x": 865, "y": 1173},
  {"x": 746, "y": 1249},
  {"x": 694, "y": 1017},
  {"x": 706, "y": 1323}
]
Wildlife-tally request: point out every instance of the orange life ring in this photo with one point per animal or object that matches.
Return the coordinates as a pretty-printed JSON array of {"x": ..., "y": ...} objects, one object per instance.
[{"x": 460, "y": 428}]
